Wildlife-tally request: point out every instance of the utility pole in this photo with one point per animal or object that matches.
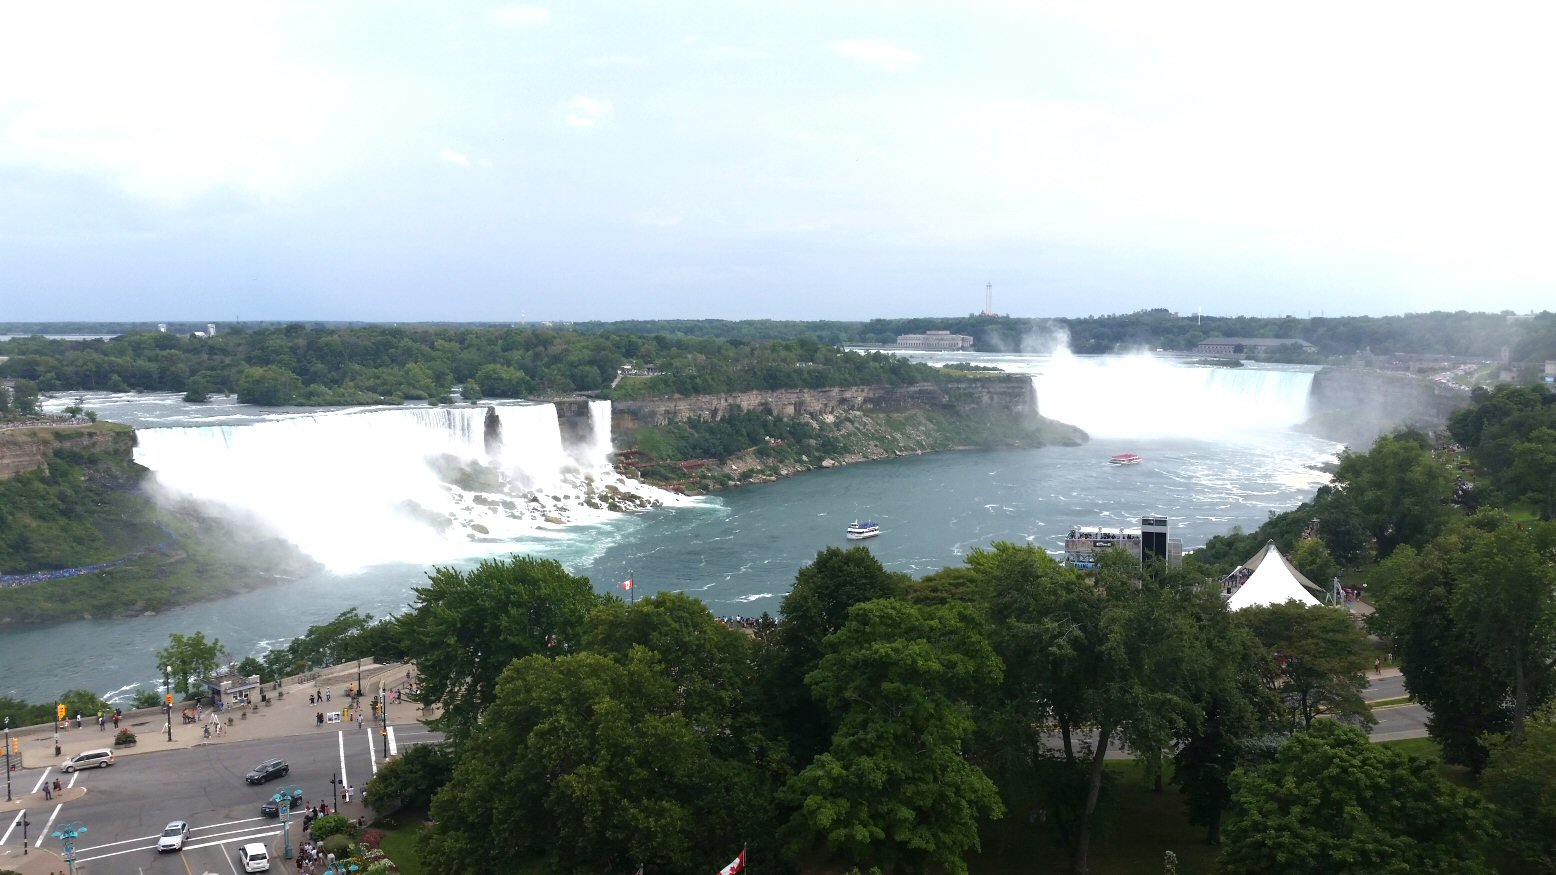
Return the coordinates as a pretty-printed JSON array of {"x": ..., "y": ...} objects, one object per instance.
[{"x": 8, "y": 758}]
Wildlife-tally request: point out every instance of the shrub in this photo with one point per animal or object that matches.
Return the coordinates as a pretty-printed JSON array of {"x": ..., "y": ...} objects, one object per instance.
[
  {"x": 124, "y": 738},
  {"x": 333, "y": 824},
  {"x": 338, "y": 845}
]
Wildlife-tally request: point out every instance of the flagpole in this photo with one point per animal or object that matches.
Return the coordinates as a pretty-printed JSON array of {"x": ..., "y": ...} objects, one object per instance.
[{"x": 632, "y": 594}]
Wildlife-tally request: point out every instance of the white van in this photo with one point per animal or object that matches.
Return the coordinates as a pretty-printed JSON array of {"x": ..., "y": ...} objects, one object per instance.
[
  {"x": 88, "y": 759},
  {"x": 254, "y": 858}
]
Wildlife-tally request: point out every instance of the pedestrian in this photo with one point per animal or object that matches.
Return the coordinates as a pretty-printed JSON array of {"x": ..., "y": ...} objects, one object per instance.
[
  {"x": 359, "y": 719},
  {"x": 57, "y": 787},
  {"x": 1390, "y": 659},
  {"x": 48, "y": 792},
  {"x": 1377, "y": 666},
  {"x": 101, "y": 723},
  {"x": 310, "y": 698},
  {"x": 326, "y": 695},
  {"x": 347, "y": 792},
  {"x": 116, "y": 720}
]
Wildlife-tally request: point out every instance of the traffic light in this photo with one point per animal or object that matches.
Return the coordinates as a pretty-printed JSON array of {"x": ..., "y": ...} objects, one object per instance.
[
  {"x": 59, "y": 711},
  {"x": 16, "y": 745},
  {"x": 169, "y": 699}
]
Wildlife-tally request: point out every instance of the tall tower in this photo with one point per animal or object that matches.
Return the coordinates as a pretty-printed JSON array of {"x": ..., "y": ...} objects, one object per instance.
[{"x": 988, "y": 299}]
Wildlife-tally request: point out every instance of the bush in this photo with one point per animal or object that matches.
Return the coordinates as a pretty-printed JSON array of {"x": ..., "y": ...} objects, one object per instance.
[
  {"x": 124, "y": 738},
  {"x": 333, "y": 824},
  {"x": 338, "y": 845}
]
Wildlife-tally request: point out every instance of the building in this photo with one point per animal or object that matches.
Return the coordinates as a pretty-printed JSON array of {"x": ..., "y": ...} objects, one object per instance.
[
  {"x": 937, "y": 341},
  {"x": 1085, "y": 544},
  {"x": 1248, "y": 345}
]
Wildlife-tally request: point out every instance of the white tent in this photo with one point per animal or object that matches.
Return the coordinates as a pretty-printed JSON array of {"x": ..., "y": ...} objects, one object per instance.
[{"x": 1272, "y": 582}]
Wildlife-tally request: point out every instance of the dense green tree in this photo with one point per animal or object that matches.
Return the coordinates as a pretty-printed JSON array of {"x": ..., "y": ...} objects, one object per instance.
[
  {"x": 1320, "y": 660},
  {"x": 1507, "y": 604},
  {"x": 894, "y": 791},
  {"x": 190, "y": 657},
  {"x": 270, "y": 386},
  {"x": 1444, "y": 668},
  {"x": 1334, "y": 804},
  {"x": 1401, "y": 494},
  {"x": 1520, "y": 780},
  {"x": 818, "y": 605},
  {"x": 583, "y": 764},
  {"x": 465, "y": 628},
  {"x": 411, "y": 779}
]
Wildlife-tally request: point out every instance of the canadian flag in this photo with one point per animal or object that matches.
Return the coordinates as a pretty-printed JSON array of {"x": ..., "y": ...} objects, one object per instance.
[
  {"x": 627, "y": 584},
  {"x": 739, "y": 864}
]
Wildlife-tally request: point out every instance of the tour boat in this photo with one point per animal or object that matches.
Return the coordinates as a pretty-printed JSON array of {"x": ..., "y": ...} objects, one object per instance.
[
  {"x": 1124, "y": 459},
  {"x": 859, "y": 531}
]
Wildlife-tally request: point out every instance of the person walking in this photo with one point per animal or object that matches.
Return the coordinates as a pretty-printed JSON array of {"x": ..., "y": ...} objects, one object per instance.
[{"x": 359, "y": 719}]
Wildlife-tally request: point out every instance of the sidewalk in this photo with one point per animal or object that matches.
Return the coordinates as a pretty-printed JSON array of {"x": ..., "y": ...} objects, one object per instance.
[{"x": 282, "y": 712}]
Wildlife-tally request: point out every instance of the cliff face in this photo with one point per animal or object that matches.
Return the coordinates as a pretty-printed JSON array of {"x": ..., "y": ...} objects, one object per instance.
[
  {"x": 1014, "y": 395},
  {"x": 1355, "y": 406},
  {"x": 24, "y": 449}
]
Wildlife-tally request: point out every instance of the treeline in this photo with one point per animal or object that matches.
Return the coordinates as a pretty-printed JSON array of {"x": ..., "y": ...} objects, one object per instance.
[
  {"x": 298, "y": 364},
  {"x": 1481, "y": 335}
]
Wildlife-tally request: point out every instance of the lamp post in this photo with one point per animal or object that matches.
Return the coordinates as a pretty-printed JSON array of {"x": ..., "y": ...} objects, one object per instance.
[
  {"x": 67, "y": 834},
  {"x": 167, "y": 697},
  {"x": 8, "y": 758},
  {"x": 335, "y": 793},
  {"x": 359, "y": 682},
  {"x": 283, "y": 802},
  {"x": 59, "y": 714},
  {"x": 383, "y": 708}
]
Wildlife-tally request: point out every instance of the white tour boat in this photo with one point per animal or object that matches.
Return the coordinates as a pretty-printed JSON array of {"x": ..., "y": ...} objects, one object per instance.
[{"x": 861, "y": 530}]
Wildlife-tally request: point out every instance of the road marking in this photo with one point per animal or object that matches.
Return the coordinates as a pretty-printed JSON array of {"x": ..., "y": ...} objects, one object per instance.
[
  {"x": 226, "y": 823},
  {"x": 341, "y": 735},
  {"x": 394, "y": 747},
  {"x": 39, "y": 786},
  {"x": 73, "y": 777},
  {"x": 7, "y": 837},
  {"x": 43, "y": 834},
  {"x": 153, "y": 846}
]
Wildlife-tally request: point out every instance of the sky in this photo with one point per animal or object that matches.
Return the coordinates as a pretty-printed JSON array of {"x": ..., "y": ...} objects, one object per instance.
[{"x": 405, "y": 160}]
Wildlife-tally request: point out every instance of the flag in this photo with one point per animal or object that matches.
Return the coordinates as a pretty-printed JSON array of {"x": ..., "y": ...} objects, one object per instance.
[
  {"x": 738, "y": 865},
  {"x": 627, "y": 584}
]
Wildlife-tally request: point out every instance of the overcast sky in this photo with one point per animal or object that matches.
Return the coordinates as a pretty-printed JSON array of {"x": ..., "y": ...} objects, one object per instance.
[{"x": 801, "y": 160}]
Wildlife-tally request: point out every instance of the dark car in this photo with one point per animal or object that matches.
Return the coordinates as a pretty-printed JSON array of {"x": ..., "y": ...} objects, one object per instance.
[
  {"x": 267, "y": 770},
  {"x": 272, "y": 808}
]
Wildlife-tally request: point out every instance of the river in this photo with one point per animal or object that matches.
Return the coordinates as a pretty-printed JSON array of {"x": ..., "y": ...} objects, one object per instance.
[{"x": 739, "y": 551}]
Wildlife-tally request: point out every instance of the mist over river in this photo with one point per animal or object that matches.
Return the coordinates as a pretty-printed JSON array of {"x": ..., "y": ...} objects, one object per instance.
[{"x": 1217, "y": 445}]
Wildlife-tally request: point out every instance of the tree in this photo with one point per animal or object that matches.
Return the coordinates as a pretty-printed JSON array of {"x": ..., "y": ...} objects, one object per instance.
[
  {"x": 1507, "y": 603},
  {"x": 1399, "y": 492},
  {"x": 583, "y": 764},
  {"x": 824, "y": 592},
  {"x": 269, "y": 386},
  {"x": 1534, "y": 465},
  {"x": 190, "y": 657},
  {"x": 1321, "y": 659},
  {"x": 1312, "y": 558},
  {"x": 894, "y": 791},
  {"x": 1520, "y": 780},
  {"x": 1332, "y": 803},
  {"x": 411, "y": 779},
  {"x": 467, "y": 627}
]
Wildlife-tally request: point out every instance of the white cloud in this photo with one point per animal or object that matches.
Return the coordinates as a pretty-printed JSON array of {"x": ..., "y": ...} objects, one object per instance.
[
  {"x": 876, "y": 53},
  {"x": 517, "y": 16},
  {"x": 613, "y": 61},
  {"x": 450, "y": 155},
  {"x": 170, "y": 102},
  {"x": 586, "y": 112}
]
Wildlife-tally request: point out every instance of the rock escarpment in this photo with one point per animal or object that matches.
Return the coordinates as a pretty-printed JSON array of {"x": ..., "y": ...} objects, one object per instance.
[
  {"x": 1014, "y": 395},
  {"x": 1355, "y": 405},
  {"x": 24, "y": 449}
]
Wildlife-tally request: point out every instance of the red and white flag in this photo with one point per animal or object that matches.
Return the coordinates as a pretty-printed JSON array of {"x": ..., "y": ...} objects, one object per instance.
[
  {"x": 627, "y": 584},
  {"x": 739, "y": 864}
]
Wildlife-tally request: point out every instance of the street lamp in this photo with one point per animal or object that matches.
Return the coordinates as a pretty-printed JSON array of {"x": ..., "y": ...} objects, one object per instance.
[
  {"x": 283, "y": 801},
  {"x": 167, "y": 697},
  {"x": 335, "y": 793},
  {"x": 67, "y": 834},
  {"x": 8, "y": 758},
  {"x": 359, "y": 682},
  {"x": 383, "y": 709}
]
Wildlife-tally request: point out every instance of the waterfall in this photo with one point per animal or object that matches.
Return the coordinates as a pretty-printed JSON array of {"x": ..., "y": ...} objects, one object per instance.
[
  {"x": 1141, "y": 396},
  {"x": 600, "y": 446},
  {"x": 359, "y": 488}
]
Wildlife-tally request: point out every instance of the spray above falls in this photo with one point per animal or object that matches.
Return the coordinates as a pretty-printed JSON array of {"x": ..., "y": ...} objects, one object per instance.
[{"x": 419, "y": 485}]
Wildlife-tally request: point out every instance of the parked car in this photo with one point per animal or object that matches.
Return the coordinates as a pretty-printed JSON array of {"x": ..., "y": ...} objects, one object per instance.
[
  {"x": 99, "y": 758},
  {"x": 173, "y": 835},
  {"x": 254, "y": 858},
  {"x": 272, "y": 808},
  {"x": 267, "y": 770}
]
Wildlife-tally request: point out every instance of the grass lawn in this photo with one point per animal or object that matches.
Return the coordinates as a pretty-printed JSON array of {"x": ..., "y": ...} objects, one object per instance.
[
  {"x": 1427, "y": 749},
  {"x": 1144, "y": 825},
  {"x": 401, "y": 844}
]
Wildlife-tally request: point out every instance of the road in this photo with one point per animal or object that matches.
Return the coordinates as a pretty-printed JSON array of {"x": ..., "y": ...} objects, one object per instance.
[{"x": 126, "y": 805}]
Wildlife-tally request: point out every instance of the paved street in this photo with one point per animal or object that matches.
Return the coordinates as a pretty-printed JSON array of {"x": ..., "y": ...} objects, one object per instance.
[{"x": 124, "y": 807}]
